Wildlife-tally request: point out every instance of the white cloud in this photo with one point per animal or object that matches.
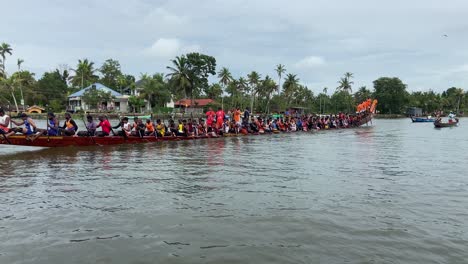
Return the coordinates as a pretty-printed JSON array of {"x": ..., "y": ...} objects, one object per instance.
[
  {"x": 310, "y": 62},
  {"x": 161, "y": 17},
  {"x": 170, "y": 47},
  {"x": 164, "y": 47}
]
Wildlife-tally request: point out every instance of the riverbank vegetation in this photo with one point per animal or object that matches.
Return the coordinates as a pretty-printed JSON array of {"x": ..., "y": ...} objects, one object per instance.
[{"x": 195, "y": 75}]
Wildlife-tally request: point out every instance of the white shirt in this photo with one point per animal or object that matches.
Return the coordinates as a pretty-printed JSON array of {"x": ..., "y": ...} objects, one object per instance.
[{"x": 3, "y": 120}]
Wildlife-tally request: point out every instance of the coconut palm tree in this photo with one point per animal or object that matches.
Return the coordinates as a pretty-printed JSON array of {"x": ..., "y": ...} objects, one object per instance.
[
  {"x": 19, "y": 62},
  {"x": 291, "y": 83},
  {"x": 225, "y": 77},
  {"x": 254, "y": 79},
  {"x": 459, "y": 93},
  {"x": 345, "y": 85},
  {"x": 84, "y": 74},
  {"x": 9, "y": 84},
  {"x": 242, "y": 88},
  {"x": 268, "y": 87},
  {"x": 325, "y": 90},
  {"x": 5, "y": 49},
  {"x": 179, "y": 76},
  {"x": 280, "y": 70}
]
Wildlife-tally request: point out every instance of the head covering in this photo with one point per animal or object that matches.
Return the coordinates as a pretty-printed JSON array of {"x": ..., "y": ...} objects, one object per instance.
[
  {"x": 23, "y": 115},
  {"x": 51, "y": 114},
  {"x": 2, "y": 111}
]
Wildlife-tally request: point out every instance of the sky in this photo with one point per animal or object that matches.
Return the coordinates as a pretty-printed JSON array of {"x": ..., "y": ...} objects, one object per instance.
[{"x": 319, "y": 40}]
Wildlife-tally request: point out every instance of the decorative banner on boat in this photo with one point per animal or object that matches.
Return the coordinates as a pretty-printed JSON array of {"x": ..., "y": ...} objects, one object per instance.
[
  {"x": 366, "y": 106},
  {"x": 374, "y": 105}
]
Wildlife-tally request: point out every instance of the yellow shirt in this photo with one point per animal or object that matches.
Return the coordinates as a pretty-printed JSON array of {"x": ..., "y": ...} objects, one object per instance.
[{"x": 161, "y": 129}]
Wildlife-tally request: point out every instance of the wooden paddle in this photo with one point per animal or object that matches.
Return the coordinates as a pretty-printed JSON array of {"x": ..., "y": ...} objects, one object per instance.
[
  {"x": 89, "y": 132},
  {"x": 47, "y": 130},
  {"x": 154, "y": 126},
  {"x": 6, "y": 138},
  {"x": 113, "y": 132}
]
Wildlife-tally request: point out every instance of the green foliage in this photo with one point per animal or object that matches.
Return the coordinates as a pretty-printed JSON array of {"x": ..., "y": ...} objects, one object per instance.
[
  {"x": 155, "y": 89},
  {"x": 214, "y": 91},
  {"x": 362, "y": 94},
  {"x": 291, "y": 83},
  {"x": 111, "y": 72},
  {"x": 84, "y": 74},
  {"x": 190, "y": 73},
  {"x": 55, "y": 105},
  {"x": 391, "y": 94},
  {"x": 92, "y": 97},
  {"x": 51, "y": 87},
  {"x": 4, "y": 49},
  {"x": 136, "y": 103}
]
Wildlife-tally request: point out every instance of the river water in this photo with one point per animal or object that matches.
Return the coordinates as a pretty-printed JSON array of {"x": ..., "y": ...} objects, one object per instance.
[{"x": 394, "y": 192}]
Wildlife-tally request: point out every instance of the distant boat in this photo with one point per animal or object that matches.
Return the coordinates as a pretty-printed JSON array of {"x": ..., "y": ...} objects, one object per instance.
[
  {"x": 422, "y": 119},
  {"x": 440, "y": 124}
]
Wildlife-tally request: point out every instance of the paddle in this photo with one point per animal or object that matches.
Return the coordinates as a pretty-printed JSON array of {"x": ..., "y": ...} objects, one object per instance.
[
  {"x": 5, "y": 137},
  {"x": 47, "y": 128},
  {"x": 89, "y": 131},
  {"x": 154, "y": 127},
  {"x": 113, "y": 132}
]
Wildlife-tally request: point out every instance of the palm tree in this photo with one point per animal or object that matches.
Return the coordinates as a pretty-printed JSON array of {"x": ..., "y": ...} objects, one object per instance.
[
  {"x": 254, "y": 79},
  {"x": 459, "y": 93},
  {"x": 19, "y": 62},
  {"x": 9, "y": 84},
  {"x": 242, "y": 88},
  {"x": 225, "y": 77},
  {"x": 280, "y": 70},
  {"x": 345, "y": 86},
  {"x": 325, "y": 90},
  {"x": 5, "y": 49},
  {"x": 290, "y": 85},
  {"x": 179, "y": 76},
  {"x": 84, "y": 74},
  {"x": 268, "y": 87}
]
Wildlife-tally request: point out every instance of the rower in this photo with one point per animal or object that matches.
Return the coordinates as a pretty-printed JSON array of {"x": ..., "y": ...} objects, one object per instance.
[
  {"x": 139, "y": 128},
  {"x": 149, "y": 128},
  {"x": 90, "y": 128},
  {"x": 69, "y": 128},
  {"x": 172, "y": 128},
  {"x": 105, "y": 126},
  {"x": 30, "y": 129},
  {"x": 126, "y": 127},
  {"x": 53, "y": 125},
  {"x": 4, "y": 123},
  {"x": 451, "y": 116},
  {"x": 160, "y": 128}
]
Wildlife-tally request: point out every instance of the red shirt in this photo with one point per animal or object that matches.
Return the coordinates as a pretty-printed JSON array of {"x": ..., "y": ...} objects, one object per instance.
[
  {"x": 209, "y": 117},
  {"x": 105, "y": 125},
  {"x": 220, "y": 116}
]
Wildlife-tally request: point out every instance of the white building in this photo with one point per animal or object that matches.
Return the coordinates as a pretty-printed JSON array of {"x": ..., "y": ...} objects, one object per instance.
[{"x": 118, "y": 103}]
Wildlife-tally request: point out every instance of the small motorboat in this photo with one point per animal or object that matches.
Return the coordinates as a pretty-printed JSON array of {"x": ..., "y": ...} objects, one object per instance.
[
  {"x": 416, "y": 119},
  {"x": 440, "y": 124}
]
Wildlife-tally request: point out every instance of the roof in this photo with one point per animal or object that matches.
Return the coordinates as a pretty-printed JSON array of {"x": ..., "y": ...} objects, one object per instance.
[
  {"x": 99, "y": 87},
  {"x": 35, "y": 107},
  {"x": 196, "y": 102}
]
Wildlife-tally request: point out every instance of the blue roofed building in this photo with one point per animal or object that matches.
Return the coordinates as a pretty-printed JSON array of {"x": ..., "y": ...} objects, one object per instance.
[{"x": 118, "y": 103}]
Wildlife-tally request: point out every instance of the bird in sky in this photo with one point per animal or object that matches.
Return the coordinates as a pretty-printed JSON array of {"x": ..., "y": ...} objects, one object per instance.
[{"x": 445, "y": 35}]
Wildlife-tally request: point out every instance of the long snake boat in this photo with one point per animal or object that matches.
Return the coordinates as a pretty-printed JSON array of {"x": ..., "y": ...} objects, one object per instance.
[{"x": 79, "y": 141}]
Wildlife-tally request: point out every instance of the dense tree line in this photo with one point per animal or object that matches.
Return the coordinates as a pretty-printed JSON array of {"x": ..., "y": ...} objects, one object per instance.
[{"x": 188, "y": 77}]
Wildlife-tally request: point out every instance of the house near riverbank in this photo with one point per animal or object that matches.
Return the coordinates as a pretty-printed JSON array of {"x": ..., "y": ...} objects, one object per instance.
[
  {"x": 117, "y": 103},
  {"x": 185, "y": 105}
]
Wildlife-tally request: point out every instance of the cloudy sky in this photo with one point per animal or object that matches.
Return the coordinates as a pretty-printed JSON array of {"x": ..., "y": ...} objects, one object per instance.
[{"x": 318, "y": 40}]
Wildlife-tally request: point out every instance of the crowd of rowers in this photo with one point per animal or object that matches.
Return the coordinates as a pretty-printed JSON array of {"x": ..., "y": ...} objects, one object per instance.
[{"x": 215, "y": 124}]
